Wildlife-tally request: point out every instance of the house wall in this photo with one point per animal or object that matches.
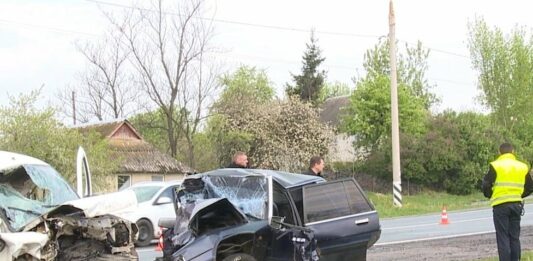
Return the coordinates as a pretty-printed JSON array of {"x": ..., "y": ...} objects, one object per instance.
[
  {"x": 144, "y": 177},
  {"x": 136, "y": 178},
  {"x": 125, "y": 132},
  {"x": 111, "y": 182},
  {"x": 342, "y": 150}
]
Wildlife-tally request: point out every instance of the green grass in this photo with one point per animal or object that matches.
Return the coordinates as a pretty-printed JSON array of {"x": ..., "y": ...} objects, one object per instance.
[
  {"x": 526, "y": 256},
  {"x": 426, "y": 203}
]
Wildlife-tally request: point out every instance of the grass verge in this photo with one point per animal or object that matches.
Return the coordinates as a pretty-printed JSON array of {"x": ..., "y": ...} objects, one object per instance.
[
  {"x": 425, "y": 203},
  {"x": 526, "y": 256}
]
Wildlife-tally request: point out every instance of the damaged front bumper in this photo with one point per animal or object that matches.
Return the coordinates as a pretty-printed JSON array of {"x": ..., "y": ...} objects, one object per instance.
[
  {"x": 76, "y": 230},
  {"x": 73, "y": 238}
]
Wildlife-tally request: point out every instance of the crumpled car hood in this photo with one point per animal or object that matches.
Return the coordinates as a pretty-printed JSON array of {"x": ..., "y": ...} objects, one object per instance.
[
  {"x": 213, "y": 203},
  {"x": 42, "y": 217},
  {"x": 92, "y": 206},
  {"x": 202, "y": 217},
  {"x": 95, "y": 220},
  {"x": 105, "y": 204}
]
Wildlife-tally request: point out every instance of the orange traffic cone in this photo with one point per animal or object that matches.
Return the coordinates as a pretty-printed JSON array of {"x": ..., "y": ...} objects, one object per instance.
[
  {"x": 444, "y": 217},
  {"x": 160, "y": 245}
]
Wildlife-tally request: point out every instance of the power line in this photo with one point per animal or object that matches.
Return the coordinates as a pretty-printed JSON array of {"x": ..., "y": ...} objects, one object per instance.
[
  {"x": 53, "y": 29},
  {"x": 58, "y": 30},
  {"x": 453, "y": 82},
  {"x": 283, "y": 61},
  {"x": 273, "y": 27},
  {"x": 252, "y": 57},
  {"x": 440, "y": 50}
]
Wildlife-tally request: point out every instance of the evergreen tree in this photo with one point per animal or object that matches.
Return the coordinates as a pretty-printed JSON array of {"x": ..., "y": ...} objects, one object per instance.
[{"x": 309, "y": 83}]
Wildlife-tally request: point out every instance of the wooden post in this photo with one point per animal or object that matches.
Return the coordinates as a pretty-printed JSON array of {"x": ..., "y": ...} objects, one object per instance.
[
  {"x": 74, "y": 107},
  {"x": 396, "y": 174}
]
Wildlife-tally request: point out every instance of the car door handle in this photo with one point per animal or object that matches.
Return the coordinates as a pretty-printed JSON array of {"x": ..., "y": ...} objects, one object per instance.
[{"x": 362, "y": 221}]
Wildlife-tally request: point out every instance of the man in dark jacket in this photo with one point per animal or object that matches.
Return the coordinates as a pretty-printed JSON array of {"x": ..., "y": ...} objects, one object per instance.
[
  {"x": 240, "y": 160},
  {"x": 316, "y": 166},
  {"x": 506, "y": 183}
]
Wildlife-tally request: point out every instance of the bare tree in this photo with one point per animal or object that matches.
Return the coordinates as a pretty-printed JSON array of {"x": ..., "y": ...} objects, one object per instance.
[
  {"x": 168, "y": 44},
  {"x": 196, "y": 96},
  {"x": 105, "y": 88}
]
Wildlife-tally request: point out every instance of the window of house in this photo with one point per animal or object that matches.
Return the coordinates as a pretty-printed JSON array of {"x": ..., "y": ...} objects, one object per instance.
[
  {"x": 123, "y": 181},
  {"x": 157, "y": 178}
]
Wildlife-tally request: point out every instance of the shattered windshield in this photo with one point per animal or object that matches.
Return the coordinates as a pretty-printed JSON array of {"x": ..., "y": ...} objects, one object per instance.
[
  {"x": 29, "y": 191},
  {"x": 249, "y": 194}
]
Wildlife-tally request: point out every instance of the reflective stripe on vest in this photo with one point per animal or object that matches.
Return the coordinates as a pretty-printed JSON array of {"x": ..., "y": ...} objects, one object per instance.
[{"x": 510, "y": 179}]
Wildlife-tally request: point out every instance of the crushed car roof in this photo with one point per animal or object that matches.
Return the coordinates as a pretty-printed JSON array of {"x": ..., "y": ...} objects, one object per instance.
[
  {"x": 10, "y": 160},
  {"x": 285, "y": 179}
]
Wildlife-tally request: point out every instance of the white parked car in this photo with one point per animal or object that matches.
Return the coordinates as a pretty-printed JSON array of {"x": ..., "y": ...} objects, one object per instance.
[{"x": 154, "y": 202}]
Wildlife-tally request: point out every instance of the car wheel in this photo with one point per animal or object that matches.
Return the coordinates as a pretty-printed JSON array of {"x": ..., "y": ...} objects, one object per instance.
[
  {"x": 239, "y": 257},
  {"x": 146, "y": 233}
]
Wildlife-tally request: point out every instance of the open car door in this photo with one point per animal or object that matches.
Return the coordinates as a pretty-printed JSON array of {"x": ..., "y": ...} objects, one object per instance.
[
  {"x": 344, "y": 221},
  {"x": 83, "y": 175}
]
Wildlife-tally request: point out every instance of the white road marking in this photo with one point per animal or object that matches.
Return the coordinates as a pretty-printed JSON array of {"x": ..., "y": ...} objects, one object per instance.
[
  {"x": 434, "y": 223},
  {"x": 433, "y": 238}
]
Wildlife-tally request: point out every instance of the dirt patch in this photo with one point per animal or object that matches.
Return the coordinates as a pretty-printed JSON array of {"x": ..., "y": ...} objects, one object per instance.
[{"x": 460, "y": 248}]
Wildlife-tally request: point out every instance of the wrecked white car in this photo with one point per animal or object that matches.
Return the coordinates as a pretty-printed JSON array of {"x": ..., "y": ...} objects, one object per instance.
[
  {"x": 253, "y": 214},
  {"x": 42, "y": 218}
]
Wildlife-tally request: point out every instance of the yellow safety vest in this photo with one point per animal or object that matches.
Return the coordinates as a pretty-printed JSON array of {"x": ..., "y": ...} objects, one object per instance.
[{"x": 510, "y": 179}]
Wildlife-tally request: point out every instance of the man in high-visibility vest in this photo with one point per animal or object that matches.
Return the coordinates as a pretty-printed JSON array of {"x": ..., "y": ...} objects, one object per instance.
[{"x": 506, "y": 183}]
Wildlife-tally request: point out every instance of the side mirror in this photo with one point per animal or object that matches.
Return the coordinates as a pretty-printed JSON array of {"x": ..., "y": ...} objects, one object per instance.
[
  {"x": 277, "y": 222},
  {"x": 163, "y": 200},
  {"x": 166, "y": 222}
]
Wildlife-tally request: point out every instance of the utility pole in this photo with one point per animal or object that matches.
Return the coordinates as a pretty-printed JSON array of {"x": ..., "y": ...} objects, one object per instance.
[
  {"x": 396, "y": 174},
  {"x": 74, "y": 107}
]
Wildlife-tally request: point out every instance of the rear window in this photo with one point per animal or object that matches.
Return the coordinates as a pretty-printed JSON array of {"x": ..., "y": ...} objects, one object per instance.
[
  {"x": 333, "y": 199},
  {"x": 144, "y": 194}
]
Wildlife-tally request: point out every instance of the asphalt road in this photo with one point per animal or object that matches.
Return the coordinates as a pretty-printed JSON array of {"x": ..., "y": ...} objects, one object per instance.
[
  {"x": 427, "y": 227},
  {"x": 148, "y": 253},
  {"x": 418, "y": 228}
]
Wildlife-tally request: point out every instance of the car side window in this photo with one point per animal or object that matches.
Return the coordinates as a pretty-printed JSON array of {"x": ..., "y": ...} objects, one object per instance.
[
  {"x": 282, "y": 205},
  {"x": 297, "y": 197},
  {"x": 166, "y": 193},
  {"x": 334, "y": 199}
]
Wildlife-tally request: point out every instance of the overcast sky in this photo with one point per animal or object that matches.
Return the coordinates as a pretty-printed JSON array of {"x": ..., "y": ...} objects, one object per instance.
[{"x": 37, "y": 38}]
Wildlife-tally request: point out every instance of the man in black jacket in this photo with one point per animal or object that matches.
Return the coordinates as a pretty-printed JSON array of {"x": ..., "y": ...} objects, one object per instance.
[
  {"x": 240, "y": 160},
  {"x": 316, "y": 166}
]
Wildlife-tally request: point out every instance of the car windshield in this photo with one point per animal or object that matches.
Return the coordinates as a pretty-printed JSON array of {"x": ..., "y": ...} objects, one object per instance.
[
  {"x": 30, "y": 190},
  {"x": 249, "y": 194},
  {"x": 145, "y": 193}
]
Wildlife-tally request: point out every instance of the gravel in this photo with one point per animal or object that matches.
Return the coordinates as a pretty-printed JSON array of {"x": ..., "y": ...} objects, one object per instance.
[{"x": 459, "y": 248}]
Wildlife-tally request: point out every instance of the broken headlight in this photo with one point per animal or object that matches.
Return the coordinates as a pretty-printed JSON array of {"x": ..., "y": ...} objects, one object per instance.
[{"x": 121, "y": 235}]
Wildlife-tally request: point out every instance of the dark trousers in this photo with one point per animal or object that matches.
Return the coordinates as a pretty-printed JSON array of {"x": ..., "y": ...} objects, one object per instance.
[{"x": 506, "y": 218}]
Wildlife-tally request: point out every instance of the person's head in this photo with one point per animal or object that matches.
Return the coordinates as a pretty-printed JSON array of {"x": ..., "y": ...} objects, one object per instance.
[
  {"x": 506, "y": 148},
  {"x": 240, "y": 159},
  {"x": 316, "y": 163}
]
